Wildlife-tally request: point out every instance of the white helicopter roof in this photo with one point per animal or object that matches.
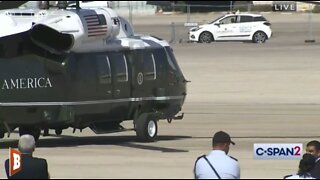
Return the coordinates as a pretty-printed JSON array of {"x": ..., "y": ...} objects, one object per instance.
[{"x": 118, "y": 31}]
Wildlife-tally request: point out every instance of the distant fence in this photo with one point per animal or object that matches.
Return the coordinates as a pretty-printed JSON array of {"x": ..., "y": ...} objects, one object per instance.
[
  {"x": 179, "y": 30},
  {"x": 179, "y": 33}
]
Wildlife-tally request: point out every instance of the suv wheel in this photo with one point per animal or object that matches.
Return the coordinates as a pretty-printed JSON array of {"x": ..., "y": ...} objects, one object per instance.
[
  {"x": 259, "y": 37},
  {"x": 205, "y": 37}
]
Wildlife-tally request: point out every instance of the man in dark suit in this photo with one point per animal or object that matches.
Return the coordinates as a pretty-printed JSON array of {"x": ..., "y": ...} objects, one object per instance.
[
  {"x": 313, "y": 148},
  {"x": 32, "y": 168}
]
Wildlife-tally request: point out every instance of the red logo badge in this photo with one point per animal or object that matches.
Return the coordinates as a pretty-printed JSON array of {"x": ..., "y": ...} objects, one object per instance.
[{"x": 14, "y": 161}]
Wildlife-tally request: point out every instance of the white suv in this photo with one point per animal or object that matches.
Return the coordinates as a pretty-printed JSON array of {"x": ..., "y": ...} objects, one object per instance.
[{"x": 242, "y": 27}]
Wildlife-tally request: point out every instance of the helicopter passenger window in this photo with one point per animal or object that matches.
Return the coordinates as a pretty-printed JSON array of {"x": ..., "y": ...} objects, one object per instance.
[
  {"x": 149, "y": 67},
  {"x": 171, "y": 64},
  {"x": 172, "y": 60},
  {"x": 119, "y": 66},
  {"x": 104, "y": 69}
]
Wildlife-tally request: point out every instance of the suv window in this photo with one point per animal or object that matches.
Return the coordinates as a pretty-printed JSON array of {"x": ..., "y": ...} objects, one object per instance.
[
  {"x": 229, "y": 20},
  {"x": 244, "y": 19},
  {"x": 259, "y": 18}
]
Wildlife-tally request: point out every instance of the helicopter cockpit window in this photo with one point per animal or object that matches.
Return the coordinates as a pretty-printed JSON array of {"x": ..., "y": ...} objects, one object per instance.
[
  {"x": 171, "y": 64},
  {"x": 172, "y": 60},
  {"x": 120, "y": 68},
  {"x": 104, "y": 69},
  {"x": 149, "y": 67}
]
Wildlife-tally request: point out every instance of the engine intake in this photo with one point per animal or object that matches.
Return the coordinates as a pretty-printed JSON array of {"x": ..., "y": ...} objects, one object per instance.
[{"x": 51, "y": 39}]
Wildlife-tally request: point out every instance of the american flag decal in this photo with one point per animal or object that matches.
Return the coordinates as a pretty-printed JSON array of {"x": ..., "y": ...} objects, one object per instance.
[{"x": 97, "y": 25}]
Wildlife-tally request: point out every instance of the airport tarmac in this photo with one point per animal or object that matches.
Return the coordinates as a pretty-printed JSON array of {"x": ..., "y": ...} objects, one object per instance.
[{"x": 258, "y": 93}]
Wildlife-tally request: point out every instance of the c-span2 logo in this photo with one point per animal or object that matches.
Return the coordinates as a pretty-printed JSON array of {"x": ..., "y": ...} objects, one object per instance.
[
  {"x": 14, "y": 161},
  {"x": 277, "y": 151}
]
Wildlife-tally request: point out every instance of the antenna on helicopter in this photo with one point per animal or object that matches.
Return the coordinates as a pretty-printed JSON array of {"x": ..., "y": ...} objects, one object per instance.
[
  {"x": 43, "y": 4},
  {"x": 77, "y": 5},
  {"x": 62, "y": 4},
  {"x": 74, "y": 4},
  {"x": 58, "y": 4}
]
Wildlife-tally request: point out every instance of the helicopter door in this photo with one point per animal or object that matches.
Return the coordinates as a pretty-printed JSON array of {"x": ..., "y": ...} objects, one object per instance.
[
  {"x": 83, "y": 88},
  {"x": 120, "y": 84},
  {"x": 143, "y": 73},
  {"x": 149, "y": 73},
  {"x": 83, "y": 83},
  {"x": 144, "y": 78},
  {"x": 104, "y": 86},
  {"x": 136, "y": 59}
]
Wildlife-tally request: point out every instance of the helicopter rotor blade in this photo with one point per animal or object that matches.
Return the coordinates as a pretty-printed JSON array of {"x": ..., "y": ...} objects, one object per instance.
[{"x": 11, "y": 4}]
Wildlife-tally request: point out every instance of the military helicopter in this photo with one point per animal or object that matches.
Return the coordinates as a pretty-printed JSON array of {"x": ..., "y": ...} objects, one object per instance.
[{"x": 76, "y": 68}]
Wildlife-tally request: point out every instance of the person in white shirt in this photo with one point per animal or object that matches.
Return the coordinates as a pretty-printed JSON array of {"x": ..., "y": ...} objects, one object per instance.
[
  {"x": 217, "y": 164},
  {"x": 305, "y": 166}
]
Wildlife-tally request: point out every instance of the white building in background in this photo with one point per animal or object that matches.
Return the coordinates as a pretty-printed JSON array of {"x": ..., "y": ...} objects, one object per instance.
[
  {"x": 137, "y": 7},
  {"x": 262, "y": 2},
  {"x": 121, "y": 7},
  {"x": 126, "y": 9}
]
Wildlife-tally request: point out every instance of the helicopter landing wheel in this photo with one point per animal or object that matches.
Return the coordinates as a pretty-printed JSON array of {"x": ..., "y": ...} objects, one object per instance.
[
  {"x": 58, "y": 132},
  {"x": 146, "y": 127},
  {"x": 35, "y": 132}
]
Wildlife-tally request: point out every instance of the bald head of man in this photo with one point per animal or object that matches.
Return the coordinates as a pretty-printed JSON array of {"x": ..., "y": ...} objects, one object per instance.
[{"x": 27, "y": 144}]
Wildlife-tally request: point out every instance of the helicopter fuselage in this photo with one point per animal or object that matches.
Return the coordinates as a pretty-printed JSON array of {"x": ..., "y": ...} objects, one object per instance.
[
  {"x": 88, "y": 88},
  {"x": 84, "y": 68}
]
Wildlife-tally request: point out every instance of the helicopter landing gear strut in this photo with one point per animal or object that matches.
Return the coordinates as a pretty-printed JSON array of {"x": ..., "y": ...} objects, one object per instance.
[
  {"x": 1, "y": 134},
  {"x": 35, "y": 132},
  {"x": 146, "y": 127}
]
